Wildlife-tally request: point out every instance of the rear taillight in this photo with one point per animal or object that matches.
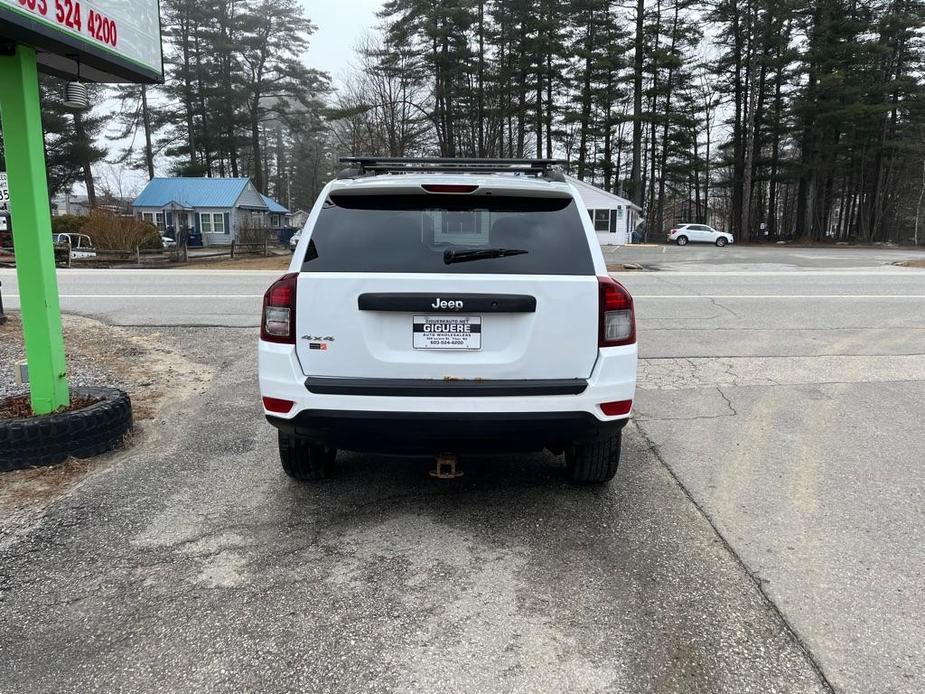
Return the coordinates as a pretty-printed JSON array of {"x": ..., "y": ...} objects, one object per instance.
[
  {"x": 278, "y": 321},
  {"x": 617, "y": 318}
]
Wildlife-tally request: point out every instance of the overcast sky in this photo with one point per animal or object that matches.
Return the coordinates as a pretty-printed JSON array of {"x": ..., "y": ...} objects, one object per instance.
[{"x": 340, "y": 24}]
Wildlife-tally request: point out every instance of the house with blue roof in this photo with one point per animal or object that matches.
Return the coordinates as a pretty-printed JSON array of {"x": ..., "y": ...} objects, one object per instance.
[{"x": 214, "y": 208}]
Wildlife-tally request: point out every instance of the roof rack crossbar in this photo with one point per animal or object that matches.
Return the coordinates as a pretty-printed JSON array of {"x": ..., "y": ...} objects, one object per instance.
[
  {"x": 413, "y": 161},
  {"x": 359, "y": 166}
]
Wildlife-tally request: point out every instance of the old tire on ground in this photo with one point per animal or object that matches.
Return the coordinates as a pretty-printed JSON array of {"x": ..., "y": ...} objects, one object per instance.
[
  {"x": 305, "y": 461},
  {"x": 681, "y": 240},
  {"x": 721, "y": 241},
  {"x": 594, "y": 461},
  {"x": 83, "y": 433}
]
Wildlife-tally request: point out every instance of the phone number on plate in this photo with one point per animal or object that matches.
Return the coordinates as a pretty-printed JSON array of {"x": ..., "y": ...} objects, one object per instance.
[{"x": 69, "y": 14}]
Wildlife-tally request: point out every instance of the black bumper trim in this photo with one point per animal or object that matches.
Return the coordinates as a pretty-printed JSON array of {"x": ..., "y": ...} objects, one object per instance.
[
  {"x": 432, "y": 388},
  {"x": 429, "y": 433}
]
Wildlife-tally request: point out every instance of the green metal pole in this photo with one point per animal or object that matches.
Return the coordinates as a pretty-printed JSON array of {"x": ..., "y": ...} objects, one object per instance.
[{"x": 21, "y": 120}]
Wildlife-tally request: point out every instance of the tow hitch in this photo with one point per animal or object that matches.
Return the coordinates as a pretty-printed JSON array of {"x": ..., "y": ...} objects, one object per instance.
[{"x": 446, "y": 467}]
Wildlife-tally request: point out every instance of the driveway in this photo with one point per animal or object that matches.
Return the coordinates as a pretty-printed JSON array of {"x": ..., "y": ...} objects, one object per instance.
[{"x": 764, "y": 532}]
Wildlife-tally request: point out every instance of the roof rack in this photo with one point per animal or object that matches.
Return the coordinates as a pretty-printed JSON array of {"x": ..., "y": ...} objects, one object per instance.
[{"x": 550, "y": 169}]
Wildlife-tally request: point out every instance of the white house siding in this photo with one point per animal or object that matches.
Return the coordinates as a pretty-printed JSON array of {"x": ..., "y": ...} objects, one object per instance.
[
  {"x": 298, "y": 219},
  {"x": 593, "y": 198}
]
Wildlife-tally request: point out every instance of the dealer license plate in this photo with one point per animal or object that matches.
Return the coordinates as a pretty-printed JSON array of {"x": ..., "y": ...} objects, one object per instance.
[{"x": 448, "y": 332}]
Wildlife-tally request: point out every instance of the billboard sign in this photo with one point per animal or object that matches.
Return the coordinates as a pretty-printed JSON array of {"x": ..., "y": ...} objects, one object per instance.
[{"x": 95, "y": 40}]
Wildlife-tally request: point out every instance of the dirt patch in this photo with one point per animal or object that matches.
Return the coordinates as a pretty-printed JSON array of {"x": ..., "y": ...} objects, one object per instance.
[
  {"x": 138, "y": 361},
  {"x": 19, "y": 407},
  {"x": 274, "y": 262},
  {"x": 911, "y": 263}
]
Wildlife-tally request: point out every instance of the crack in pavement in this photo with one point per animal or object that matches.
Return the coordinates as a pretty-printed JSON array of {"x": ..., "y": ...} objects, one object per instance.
[
  {"x": 728, "y": 401},
  {"x": 726, "y": 308},
  {"x": 753, "y": 576},
  {"x": 732, "y": 413}
]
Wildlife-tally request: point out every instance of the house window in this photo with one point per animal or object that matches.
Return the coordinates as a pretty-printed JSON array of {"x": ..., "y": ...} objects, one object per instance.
[
  {"x": 154, "y": 218},
  {"x": 212, "y": 223},
  {"x": 601, "y": 220},
  {"x": 274, "y": 220}
]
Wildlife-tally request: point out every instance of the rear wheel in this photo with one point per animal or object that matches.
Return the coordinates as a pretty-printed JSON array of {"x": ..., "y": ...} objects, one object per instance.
[
  {"x": 594, "y": 461},
  {"x": 721, "y": 241},
  {"x": 682, "y": 240},
  {"x": 305, "y": 461}
]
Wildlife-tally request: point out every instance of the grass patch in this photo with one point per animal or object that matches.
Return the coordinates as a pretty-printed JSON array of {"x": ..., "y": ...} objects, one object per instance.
[{"x": 273, "y": 262}]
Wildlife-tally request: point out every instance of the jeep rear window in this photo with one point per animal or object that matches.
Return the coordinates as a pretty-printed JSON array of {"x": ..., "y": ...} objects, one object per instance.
[{"x": 413, "y": 234}]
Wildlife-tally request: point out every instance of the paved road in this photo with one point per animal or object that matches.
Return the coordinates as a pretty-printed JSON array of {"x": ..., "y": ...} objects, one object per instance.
[
  {"x": 767, "y": 523},
  {"x": 696, "y": 256}
]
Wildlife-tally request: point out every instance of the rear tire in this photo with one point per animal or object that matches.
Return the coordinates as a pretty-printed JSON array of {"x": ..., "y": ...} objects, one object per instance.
[
  {"x": 681, "y": 240},
  {"x": 305, "y": 461},
  {"x": 721, "y": 241},
  {"x": 594, "y": 461}
]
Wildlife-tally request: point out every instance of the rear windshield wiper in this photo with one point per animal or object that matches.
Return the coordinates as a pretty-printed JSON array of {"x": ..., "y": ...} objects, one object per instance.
[{"x": 450, "y": 256}]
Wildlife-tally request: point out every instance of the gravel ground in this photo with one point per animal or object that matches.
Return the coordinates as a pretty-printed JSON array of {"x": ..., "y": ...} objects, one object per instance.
[
  {"x": 84, "y": 369},
  {"x": 153, "y": 372}
]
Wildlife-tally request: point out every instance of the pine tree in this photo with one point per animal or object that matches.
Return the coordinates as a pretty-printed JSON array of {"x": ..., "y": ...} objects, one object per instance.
[{"x": 72, "y": 143}]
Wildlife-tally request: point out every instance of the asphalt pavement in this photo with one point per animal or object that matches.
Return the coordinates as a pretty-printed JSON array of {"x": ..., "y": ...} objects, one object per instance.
[
  {"x": 758, "y": 257},
  {"x": 765, "y": 531}
]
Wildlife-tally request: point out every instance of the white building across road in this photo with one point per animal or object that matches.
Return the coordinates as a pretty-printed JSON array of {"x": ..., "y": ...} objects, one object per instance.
[{"x": 614, "y": 218}]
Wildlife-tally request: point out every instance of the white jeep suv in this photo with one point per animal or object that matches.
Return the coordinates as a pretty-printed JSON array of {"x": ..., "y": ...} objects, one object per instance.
[
  {"x": 698, "y": 233},
  {"x": 446, "y": 307}
]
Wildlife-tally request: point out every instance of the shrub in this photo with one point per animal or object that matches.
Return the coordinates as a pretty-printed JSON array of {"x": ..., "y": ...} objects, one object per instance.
[
  {"x": 110, "y": 232},
  {"x": 69, "y": 223},
  {"x": 151, "y": 237}
]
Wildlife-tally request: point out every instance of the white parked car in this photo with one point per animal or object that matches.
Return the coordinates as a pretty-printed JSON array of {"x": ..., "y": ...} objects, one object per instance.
[
  {"x": 294, "y": 241},
  {"x": 168, "y": 242},
  {"x": 450, "y": 312},
  {"x": 698, "y": 233}
]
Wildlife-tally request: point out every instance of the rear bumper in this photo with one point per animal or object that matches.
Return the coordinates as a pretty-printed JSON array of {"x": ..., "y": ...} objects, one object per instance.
[
  {"x": 429, "y": 433},
  {"x": 407, "y": 416}
]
